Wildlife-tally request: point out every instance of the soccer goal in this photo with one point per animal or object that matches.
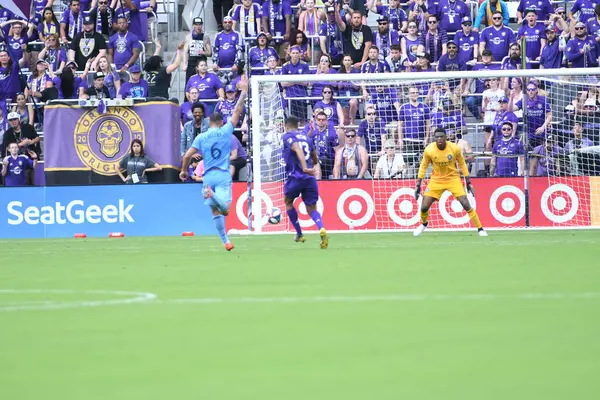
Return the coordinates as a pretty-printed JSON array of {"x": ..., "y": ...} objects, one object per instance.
[{"x": 530, "y": 138}]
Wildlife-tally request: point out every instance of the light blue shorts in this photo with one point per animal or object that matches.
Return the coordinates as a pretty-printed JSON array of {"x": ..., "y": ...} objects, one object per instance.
[{"x": 220, "y": 183}]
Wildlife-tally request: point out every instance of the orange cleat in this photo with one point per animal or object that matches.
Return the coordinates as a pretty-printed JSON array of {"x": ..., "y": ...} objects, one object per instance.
[{"x": 229, "y": 246}]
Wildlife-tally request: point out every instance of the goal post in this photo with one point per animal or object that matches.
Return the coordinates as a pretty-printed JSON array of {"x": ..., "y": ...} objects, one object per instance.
[{"x": 552, "y": 183}]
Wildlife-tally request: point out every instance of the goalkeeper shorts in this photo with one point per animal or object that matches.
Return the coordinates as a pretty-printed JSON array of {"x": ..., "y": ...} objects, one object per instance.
[{"x": 436, "y": 189}]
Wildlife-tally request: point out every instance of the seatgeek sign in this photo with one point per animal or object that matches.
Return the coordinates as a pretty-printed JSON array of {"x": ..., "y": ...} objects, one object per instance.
[{"x": 140, "y": 210}]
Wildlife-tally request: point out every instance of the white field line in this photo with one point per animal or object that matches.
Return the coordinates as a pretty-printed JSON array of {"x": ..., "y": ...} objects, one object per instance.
[
  {"x": 133, "y": 297},
  {"x": 386, "y": 298}
]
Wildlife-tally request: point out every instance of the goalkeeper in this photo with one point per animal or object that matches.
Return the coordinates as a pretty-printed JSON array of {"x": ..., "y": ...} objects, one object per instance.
[{"x": 444, "y": 157}]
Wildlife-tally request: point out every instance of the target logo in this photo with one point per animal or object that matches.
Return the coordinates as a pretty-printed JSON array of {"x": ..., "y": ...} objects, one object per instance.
[
  {"x": 241, "y": 207},
  {"x": 507, "y": 204},
  {"x": 559, "y": 203},
  {"x": 455, "y": 214},
  {"x": 355, "y": 207},
  {"x": 303, "y": 218},
  {"x": 407, "y": 213}
]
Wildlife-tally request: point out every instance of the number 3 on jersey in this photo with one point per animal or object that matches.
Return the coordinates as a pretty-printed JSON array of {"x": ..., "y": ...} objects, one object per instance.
[{"x": 305, "y": 148}]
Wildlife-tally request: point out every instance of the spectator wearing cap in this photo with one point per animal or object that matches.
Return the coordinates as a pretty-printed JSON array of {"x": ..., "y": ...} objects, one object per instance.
[
  {"x": 22, "y": 134},
  {"x": 260, "y": 53},
  {"x": 435, "y": 39},
  {"x": 358, "y": 38},
  {"x": 247, "y": 19},
  {"x": 395, "y": 14},
  {"x": 68, "y": 84},
  {"x": 539, "y": 114},
  {"x": 103, "y": 17},
  {"x": 583, "y": 50},
  {"x": 467, "y": 41},
  {"x": 228, "y": 47},
  {"x": 535, "y": 36},
  {"x": 451, "y": 61},
  {"x": 38, "y": 81},
  {"x": 97, "y": 90},
  {"x": 87, "y": 45},
  {"x": 71, "y": 22},
  {"x": 543, "y": 10},
  {"x": 159, "y": 75},
  {"x": 486, "y": 11},
  {"x": 226, "y": 106},
  {"x": 124, "y": 46},
  {"x": 15, "y": 166},
  {"x": 136, "y": 87},
  {"x": 331, "y": 39},
  {"x": 53, "y": 54},
  {"x": 584, "y": 9},
  {"x": 508, "y": 153},
  {"x": 385, "y": 38},
  {"x": 552, "y": 53},
  {"x": 497, "y": 37},
  {"x": 197, "y": 45},
  {"x": 450, "y": 14},
  {"x": 474, "y": 102},
  {"x": 221, "y": 8},
  {"x": 208, "y": 84},
  {"x": 16, "y": 41},
  {"x": 503, "y": 116},
  {"x": 277, "y": 19}
]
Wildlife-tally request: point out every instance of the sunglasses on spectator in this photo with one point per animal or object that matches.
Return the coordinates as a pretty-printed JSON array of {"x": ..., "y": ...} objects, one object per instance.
[
  {"x": 383, "y": 23},
  {"x": 432, "y": 22},
  {"x": 370, "y": 113},
  {"x": 327, "y": 91},
  {"x": 467, "y": 24},
  {"x": 321, "y": 119},
  {"x": 102, "y": 2},
  {"x": 452, "y": 47},
  {"x": 496, "y": 18},
  {"x": 506, "y": 129},
  {"x": 579, "y": 28},
  {"x": 531, "y": 89},
  {"x": 350, "y": 136},
  {"x": 412, "y": 26}
]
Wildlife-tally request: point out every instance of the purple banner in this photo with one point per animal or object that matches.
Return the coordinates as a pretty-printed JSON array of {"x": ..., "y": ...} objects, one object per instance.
[
  {"x": 81, "y": 139},
  {"x": 20, "y": 8}
]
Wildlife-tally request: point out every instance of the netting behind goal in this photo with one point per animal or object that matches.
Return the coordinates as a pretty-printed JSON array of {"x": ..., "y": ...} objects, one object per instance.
[{"x": 379, "y": 124}]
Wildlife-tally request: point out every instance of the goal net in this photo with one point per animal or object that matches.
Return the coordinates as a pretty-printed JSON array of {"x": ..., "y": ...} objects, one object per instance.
[{"x": 530, "y": 139}]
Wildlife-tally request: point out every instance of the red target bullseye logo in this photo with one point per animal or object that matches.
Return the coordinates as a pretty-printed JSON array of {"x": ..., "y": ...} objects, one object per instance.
[
  {"x": 355, "y": 207},
  {"x": 559, "y": 203},
  {"x": 241, "y": 207},
  {"x": 402, "y": 207},
  {"x": 507, "y": 204},
  {"x": 303, "y": 217},
  {"x": 452, "y": 211}
]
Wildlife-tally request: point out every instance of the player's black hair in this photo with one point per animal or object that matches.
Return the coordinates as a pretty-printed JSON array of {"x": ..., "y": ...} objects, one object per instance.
[
  {"x": 439, "y": 129},
  {"x": 198, "y": 105},
  {"x": 216, "y": 117},
  {"x": 292, "y": 122},
  {"x": 154, "y": 63}
]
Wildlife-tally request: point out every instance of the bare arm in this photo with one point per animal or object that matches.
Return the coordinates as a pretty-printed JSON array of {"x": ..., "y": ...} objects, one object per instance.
[
  {"x": 155, "y": 167},
  {"x": 186, "y": 162},
  {"x": 533, "y": 166},
  {"x": 337, "y": 163},
  {"x": 364, "y": 161},
  {"x": 239, "y": 107},
  {"x": 338, "y": 18},
  {"x": 177, "y": 61}
]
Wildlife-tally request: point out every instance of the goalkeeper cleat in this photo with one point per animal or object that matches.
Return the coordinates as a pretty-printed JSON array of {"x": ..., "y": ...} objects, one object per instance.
[
  {"x": 420, "y": 229},
  {"x": 482, "y": 232},
  {"x": 229, "y": 246},
  {"x": 324, "y": 238},
  {"x": 299, "y": 238}
]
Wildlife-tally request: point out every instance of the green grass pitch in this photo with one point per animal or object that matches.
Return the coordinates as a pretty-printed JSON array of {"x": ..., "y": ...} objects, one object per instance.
[{"x": 376, "y": 316}]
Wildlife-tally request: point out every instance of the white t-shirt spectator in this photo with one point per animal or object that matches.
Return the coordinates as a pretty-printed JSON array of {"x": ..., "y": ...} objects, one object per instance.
[
  {"x": 492, "y": 96},
  {"x": 390, "y": 169}
]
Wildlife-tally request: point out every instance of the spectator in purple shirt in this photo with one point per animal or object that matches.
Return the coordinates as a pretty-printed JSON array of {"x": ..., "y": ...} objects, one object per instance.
[
  {"x": 545, "y": 158},
  {"x": 497, "y": 38},
  {"x": 385, "y": 38},
  {"x": 296, "y": 89},
  {"x": 535, "y": 36},
  {"x": 325, "y": 139},
  {"x": 581, "y": 162},
  {"x": 330, "y": 38},
  {"x": 348, "y": 89},
  {"x": 395, "y": 14},
  {"x": 72, "y": 22},
  {"x": 48, "y": 25},
  {"x": 17, "y": 39},
  {"x": 583, "y": 51},
  {"x": 539, "y": 114},
  {"x": 450, "y": 14},
  {"x": 260, "y": 53},
  {"x": 277, "y": 19},
  {"x": 508, "y": 154},
  {"x": 435, "y": 39},
  {"x": 247, "y": 18},
  {"x": 467, "y": 41},
  {"x": 372, "y": 132},
  {"x": 503, "y": 116},
  {"x": 514, "y": 60},
  {"x": 185, "y": 109},
  {"x": 552, "y": 53},
  {"x": 593, "y": 24},
  {"x": 374, "y": 65},
  {"x": 585, "y": 8},
  {"x": 330, "y": 107},
  {"x": 544, "y": 10},
  {"x": 15, "y": 165},
  {"x": 124, "y": 47},
  {"x": 68, "y": 84},
  {"x": 238, "y": 158},
  {"x": 136, "y": 87},
  {"x": 208, "y": 84},
  {"x": 324, "y": 67},
  {"x": 228, "y": 47},
  {"x": 452, "y": 62}
]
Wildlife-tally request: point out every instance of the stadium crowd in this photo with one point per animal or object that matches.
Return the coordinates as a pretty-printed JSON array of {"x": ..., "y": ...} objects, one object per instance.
[{"x": 97, "y": 49}]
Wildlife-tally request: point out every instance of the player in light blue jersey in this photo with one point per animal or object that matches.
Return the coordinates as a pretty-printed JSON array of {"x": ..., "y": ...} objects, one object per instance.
[{"x": 215, "y": 147}]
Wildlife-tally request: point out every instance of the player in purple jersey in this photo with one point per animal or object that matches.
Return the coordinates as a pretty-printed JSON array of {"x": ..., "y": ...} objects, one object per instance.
[
  {"x": 301, "y": 164},
  {"x": 15, "y": 165},
  {"x": 535, "y": 36},
  {"x": 508, "y": 154}
]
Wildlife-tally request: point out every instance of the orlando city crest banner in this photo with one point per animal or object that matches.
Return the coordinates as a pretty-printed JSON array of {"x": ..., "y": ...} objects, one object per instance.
[{"x": 84, "y": 146}]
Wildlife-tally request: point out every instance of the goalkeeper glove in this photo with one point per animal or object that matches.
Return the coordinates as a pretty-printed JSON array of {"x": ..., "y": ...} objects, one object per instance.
[
  {"x": 417, "y": 192},
  {"x": 470, "y": 188}
]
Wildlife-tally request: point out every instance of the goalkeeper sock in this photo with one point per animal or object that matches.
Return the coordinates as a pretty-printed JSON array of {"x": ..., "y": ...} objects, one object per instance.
[
  {"x": 316, "y": 216},
  {"x": 219, "y": 221},
  {"x": 475, "y": 218},
  {"x": 424, "y": 217},
  {"x": 293, "y": 215}
]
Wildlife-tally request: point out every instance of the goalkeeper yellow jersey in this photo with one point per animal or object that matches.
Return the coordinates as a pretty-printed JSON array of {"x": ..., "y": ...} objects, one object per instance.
[{"x": 444, "y": 163}]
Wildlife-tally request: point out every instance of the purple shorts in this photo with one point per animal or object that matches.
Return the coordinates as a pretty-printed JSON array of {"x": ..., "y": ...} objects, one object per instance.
[{"x": 306, "y": 187}]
